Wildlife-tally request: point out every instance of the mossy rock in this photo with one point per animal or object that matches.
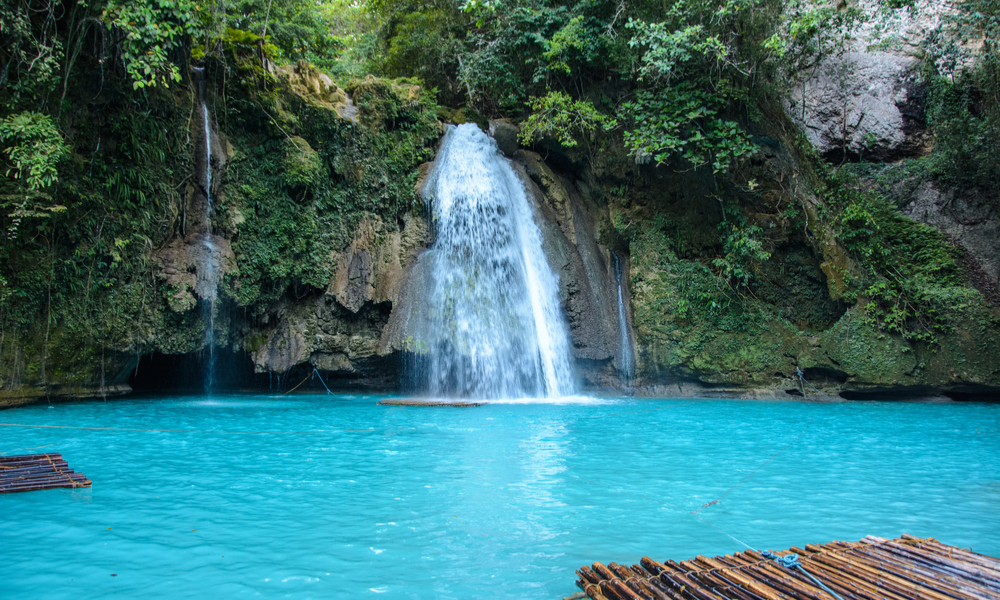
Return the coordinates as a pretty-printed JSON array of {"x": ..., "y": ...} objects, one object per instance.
[
  {"x": 461, "y": 116},
  {"x": 303, "y": 166},
  {"x": 868, "y": 355}
]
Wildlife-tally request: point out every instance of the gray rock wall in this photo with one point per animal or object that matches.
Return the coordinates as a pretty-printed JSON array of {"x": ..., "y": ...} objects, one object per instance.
[{"x": 865, "y": 100}]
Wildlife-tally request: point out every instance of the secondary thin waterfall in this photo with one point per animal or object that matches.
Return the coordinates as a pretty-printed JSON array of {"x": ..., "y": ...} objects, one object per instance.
[
  {"x": 627, "y": 362},
  {"x": 495, "y": 326},
  {"x": 208, "y": 271}
]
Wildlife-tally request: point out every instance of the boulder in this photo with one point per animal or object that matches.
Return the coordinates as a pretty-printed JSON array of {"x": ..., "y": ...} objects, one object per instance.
[
  {"x": 505, "y": 135},
  {"x": 866, "y": 101}
]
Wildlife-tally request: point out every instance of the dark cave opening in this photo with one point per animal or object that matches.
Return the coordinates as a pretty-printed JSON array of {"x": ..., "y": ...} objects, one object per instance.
[{"x": 232, "y": 371}]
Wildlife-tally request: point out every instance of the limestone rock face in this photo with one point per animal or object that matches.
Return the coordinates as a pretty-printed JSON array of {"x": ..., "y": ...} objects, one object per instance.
[
  {"x": 505, "y": 135},
  {"x": 371, "y": 268},
  {"x": 286, "y": 347},
  {"x": 307, "y": 81},
  {"x": 339, "y": 331},
  {"x": 571, "y": 227},
  {"x": 864, "y": 102},
  {"x": 968, "y": 218},
  {"x": 192, "y": 267},
  {"x": 321, "y": 332},
  {"x": 348, "y": 341}
]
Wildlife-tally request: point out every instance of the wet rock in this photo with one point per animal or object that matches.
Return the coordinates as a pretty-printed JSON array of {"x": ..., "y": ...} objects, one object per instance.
[
  {"x": 372, "y": 267},
  {"x": 505, "y": 135},
  {"x": 192, "y": 268},
  {"x": 285, "y": 348},
  {"x": 571, "y": 227},
  {"x": 461, "y": 116}
]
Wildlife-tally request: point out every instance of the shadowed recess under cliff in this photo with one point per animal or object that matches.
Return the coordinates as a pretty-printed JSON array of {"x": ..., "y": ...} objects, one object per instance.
[{"x": 490, "y": 325}]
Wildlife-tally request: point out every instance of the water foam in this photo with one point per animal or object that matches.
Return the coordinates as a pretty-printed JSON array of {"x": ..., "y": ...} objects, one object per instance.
[{"x": 496, "y": 326}]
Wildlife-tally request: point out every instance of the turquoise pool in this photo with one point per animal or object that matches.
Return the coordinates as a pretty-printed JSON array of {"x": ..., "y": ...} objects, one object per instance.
[{"x": 335, "y": 497}]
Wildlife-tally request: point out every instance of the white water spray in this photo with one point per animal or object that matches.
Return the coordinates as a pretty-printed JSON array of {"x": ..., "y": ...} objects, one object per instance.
[{"x": 494, "y": 325}]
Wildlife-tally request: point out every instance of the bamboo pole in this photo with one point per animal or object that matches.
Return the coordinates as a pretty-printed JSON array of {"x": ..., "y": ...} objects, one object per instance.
[{"x": 946, "y": 581}]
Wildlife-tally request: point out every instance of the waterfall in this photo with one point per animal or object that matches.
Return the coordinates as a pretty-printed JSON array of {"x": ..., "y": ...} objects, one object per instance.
[
  {"x": 209, "y": 269},
  {"x": 627, "y": 360},
  {"x": 208, "y": 149},
  {"x": 494, "y": 327}
]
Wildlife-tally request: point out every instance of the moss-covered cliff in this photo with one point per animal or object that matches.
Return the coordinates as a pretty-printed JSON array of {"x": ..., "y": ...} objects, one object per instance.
[
  {"x": 265, "y": 209},
  {"x": 306, "y": 177}
]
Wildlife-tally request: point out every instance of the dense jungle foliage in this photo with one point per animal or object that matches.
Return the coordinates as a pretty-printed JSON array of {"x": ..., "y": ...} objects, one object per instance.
[{"x": 96, "y": 101}]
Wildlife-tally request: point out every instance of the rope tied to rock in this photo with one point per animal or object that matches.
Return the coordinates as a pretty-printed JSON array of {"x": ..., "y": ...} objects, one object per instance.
[
  {"x": 805, "y": 381},
  {"x": 791, "y": 561},
  {"x": 316, "y": 371}
]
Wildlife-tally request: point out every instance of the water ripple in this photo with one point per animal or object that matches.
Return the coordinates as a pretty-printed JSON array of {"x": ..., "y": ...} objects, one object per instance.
[{"x": 505, "y": 500}]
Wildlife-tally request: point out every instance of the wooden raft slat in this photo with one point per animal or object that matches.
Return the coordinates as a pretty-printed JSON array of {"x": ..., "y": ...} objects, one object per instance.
[
  {"x": 32, "y": 472},
  {"x": 419, "y": 402},
  {"x": 905, "y": 568}
]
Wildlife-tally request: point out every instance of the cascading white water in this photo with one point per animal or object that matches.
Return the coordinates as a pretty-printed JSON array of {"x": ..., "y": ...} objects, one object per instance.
[
  {"x": 494, "y": 325},
  {"x": 208, "y": 152},
  {"x": 627, "y": 363},
  {"x": 208, "y": 271}
]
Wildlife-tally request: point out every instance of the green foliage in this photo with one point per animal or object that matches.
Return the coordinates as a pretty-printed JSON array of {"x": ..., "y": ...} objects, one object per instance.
[
  {"x": 297, "y": 29},
  {"x": 965, "y": 116},
  {"x": 743, "y": 248},
  {"x": 504, "y": 63},
  {"x": 667, "y": 52},
  {"x": 694, "y": 68},
  {"x": 558, "y": 116},
  {"x": 36, "y": 150},
  {"x": 241, "y": 45},
  {"x": 572, "y": 39},
  {"x": 684, "y": 122},
  {"x": 427, "y": 45},
  {"x": 811, "y": 31},
  {"x": 967, "y": 149},
  {"x": 963, "y": 105},
  {"x": 904, "y": 265},
  {"x": 303, "y": 198},
  {"x": 302, "y": 166},
  {"x": 30, "y": 50},
  {"x": 152, "y": 30},
  {"x": 688, "y": 318}
]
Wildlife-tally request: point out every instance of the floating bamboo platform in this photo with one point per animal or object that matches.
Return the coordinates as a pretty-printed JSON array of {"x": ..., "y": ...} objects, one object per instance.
[
  {"x": 31, "y": 472},
  {"x": 418, "y": 402},
  {"x": 905, "y": 568}
]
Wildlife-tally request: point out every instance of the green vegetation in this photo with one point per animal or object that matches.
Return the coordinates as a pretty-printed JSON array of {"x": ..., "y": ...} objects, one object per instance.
[
  {"x": 907, "y": 270},
  {"x": 302, "y": 197},
  {"x": 963, "y": 72},
  {"x": 97, "y": 133},
  {"x": 669, "y": 112}
]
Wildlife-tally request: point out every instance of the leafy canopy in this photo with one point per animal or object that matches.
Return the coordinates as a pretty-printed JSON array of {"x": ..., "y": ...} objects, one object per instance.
[
  {"x": 152, "y": 29},
  {"x": 558, "y": 116}
]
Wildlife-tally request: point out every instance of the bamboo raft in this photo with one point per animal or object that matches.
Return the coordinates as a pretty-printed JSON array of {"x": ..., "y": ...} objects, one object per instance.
[
  {"x": 417, "y": 402},
  {"x": 31, "y": 472},
  {"x": 906, "y": 568}
]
